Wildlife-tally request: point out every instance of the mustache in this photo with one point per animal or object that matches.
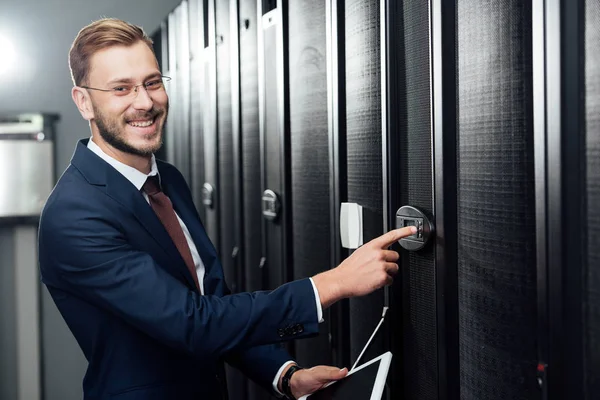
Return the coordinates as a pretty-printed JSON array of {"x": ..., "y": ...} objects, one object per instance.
[{"x": 146, "y": 115}]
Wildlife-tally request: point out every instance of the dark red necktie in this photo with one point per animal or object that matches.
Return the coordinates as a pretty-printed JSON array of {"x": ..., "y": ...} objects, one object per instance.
[{"x": 163, "y": 208}]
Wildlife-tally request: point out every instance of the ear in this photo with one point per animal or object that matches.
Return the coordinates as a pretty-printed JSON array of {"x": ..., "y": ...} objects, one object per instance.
[{"x": 83, "y": 102}]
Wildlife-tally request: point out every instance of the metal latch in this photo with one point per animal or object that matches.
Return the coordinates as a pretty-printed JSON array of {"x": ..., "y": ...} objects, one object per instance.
[
  {"x": 271, "y": 205},
  {"x": 208, "y": 195}
]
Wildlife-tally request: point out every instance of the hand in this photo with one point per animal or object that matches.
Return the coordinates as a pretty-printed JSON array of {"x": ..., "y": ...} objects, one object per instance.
[
  {"x": 307, "y": 381},
  {"x": 369, "y": 268}
]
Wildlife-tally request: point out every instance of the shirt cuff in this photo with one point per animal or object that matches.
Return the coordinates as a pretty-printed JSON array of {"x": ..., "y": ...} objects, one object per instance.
[
  {"x": 318, "y": 300},
  {"x": 277, "y": 376}
]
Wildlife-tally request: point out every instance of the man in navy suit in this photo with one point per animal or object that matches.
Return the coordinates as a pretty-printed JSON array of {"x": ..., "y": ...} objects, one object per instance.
[{"x": 131, "y": 269}]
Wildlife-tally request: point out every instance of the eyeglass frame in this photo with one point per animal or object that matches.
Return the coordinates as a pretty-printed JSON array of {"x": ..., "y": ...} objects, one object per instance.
[{"x": 163, "y": 78}]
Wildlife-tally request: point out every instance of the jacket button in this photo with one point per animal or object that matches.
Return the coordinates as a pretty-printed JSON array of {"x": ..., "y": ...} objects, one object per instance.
[
  {"x": 300, "y": 328},
  {"x": 281, "y": 332}
]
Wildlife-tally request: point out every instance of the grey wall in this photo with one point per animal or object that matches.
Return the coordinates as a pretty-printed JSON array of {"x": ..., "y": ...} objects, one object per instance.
[
  {"x": 8, "y": 340},
  {"x": 42, "y": 32}
]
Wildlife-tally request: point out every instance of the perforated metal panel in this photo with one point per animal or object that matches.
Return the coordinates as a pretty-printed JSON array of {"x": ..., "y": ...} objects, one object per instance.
[
  {"x": 496, "y": 214},
  {"x": 310, "y": 156},
  {"x": 417, "y": 317},
  {"x": 592, "y": 275},
  {"x": 364, "y": 154}
]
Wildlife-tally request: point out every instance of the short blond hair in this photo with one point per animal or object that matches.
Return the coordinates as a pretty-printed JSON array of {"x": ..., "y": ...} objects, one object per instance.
[{"x": 99, "y": 35}]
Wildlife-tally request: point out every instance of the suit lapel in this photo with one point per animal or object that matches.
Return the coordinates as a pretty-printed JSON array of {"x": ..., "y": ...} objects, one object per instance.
[
  {"x": 121, "y": 190},
  {"x": 99, "y": 173}
]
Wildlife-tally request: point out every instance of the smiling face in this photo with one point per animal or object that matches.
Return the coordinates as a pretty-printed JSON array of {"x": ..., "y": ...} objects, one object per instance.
[{"x": 130, "y": 123}]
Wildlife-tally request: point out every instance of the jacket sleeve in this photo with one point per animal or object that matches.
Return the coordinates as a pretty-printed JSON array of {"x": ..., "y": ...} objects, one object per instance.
[
  {"x": 260, "y": 363},
  {"x": 89, "y": 257}
]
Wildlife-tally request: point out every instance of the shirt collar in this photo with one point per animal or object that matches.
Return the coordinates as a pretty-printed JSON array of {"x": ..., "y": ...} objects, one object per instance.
[{"x": 134, "y": 176}]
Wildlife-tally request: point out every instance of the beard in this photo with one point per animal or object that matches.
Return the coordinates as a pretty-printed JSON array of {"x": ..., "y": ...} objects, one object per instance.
[{"x": 114, "y": 134}]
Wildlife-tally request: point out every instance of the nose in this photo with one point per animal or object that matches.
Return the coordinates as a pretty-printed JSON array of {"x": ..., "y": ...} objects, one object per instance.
[{"x": 142, "y": 100}]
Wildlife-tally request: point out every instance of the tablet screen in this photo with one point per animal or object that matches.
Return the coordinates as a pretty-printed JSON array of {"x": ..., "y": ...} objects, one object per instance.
[{"x": 358, "y": 386}]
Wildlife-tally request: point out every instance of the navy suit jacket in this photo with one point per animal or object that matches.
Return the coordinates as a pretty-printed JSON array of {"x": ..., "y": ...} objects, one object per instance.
[{"x": 127, "y": 296}]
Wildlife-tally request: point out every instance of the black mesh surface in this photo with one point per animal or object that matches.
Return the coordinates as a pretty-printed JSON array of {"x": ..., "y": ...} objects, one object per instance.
[
  {"x": 592, "y": 278},
  {"x": 310, "y": 156},
  {"x": 363, "y": 116},
  {"x": 496, "y": 211},
  {"x": 417, "y": 318}
]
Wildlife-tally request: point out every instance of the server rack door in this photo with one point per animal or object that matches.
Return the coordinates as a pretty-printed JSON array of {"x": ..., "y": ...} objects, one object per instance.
[
  {"x": 408, "y": 143},
  {"x": 560, "y": 195},
  {"x": 197, "y": 178},
  {"x": 236, "y": 382},
  {"x": 176, "y": 60},
  {"x": 496, "y": 208},
  {"x": 250, "y": 158},
  {"x": 224, "y": 127},
  {"x": 364, "y": 152},
  {"x": 251, "y": 144},
  {"x": 274, "y": 147},
  {"x": 210, "y": 189},
  {"x": 338, "y": 314},
  {"x": 161, "y": 50},
  {"x": 592, "y": 157},
  {"x": 310, "y": 156},
  {"x": 172, "y": 88},
  {"x": 182, "y": 141}
]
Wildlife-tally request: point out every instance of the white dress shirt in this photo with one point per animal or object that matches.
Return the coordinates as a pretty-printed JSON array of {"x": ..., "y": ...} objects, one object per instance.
[{"x": 138, "y": 179}]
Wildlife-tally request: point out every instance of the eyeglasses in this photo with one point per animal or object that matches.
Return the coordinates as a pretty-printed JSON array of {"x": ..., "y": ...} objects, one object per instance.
[{"x": 124, "y": 90}]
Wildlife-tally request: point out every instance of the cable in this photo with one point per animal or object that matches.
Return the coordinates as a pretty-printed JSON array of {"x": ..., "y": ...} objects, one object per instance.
[{"x": 370, "y": 339}]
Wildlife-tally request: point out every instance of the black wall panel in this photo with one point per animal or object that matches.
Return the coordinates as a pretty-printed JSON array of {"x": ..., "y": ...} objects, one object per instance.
[
  {"x": 496, "y": 211},
  {"x": 415, "y": 333},
  {"x": 364, "y": 152},
  {"x": 310, "y": 156},
  {"x": 197, "y": 177},
  {"x": 592, "y": 276}
]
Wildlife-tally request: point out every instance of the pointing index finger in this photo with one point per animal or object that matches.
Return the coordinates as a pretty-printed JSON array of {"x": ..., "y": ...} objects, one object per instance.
[{"x": 387, "y": 239}]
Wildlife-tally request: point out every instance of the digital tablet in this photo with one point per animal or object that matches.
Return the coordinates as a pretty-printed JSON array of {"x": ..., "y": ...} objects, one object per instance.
[{"x": 364, "y": 383}]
